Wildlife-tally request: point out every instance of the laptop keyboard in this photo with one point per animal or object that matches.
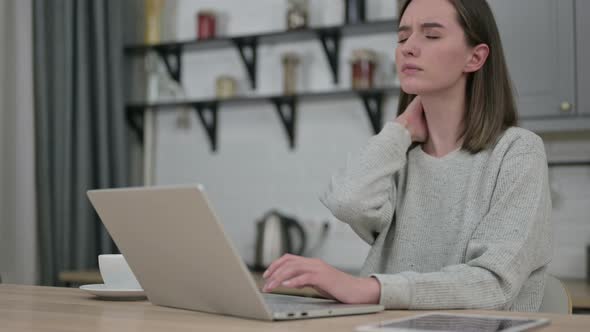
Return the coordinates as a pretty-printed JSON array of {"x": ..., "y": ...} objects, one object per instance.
[{"x": 286, "y": 303}]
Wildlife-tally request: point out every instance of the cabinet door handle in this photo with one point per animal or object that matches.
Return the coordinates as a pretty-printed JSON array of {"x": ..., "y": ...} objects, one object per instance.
[{"x": 565, "y": 106}]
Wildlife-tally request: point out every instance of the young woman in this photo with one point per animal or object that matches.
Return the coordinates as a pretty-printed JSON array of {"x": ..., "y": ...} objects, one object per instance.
[{"x": 452, "y": 197}]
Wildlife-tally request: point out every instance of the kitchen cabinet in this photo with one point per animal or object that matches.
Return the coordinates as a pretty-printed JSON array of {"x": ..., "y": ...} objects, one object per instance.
[
  {"x": 539, "y": 43},
  {"x": 583, "y": 55}
]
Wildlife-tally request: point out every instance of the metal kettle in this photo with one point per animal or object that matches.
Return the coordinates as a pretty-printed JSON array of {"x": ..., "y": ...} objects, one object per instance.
[{"x": 276, "y": 235}]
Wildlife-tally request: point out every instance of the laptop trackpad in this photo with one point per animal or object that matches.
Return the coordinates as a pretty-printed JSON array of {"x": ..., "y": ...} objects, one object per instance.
[{"x": 278, "y": 298}]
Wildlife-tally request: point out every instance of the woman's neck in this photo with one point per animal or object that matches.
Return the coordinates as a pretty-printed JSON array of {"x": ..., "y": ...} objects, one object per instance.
[{"x": 445, "y": 114}]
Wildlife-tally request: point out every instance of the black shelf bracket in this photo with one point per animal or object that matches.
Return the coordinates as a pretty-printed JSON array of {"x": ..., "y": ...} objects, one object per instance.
[
  {"x": 373, "y": 102},
  {"x": 330, "y": 39},
  {"x": 248, "y": 48},
  {"x": 209, "y": 123},
  {"x": 286, "y": 108},
  {"x": 172, "y": 57},
  {"x": 135, "y": 121}
]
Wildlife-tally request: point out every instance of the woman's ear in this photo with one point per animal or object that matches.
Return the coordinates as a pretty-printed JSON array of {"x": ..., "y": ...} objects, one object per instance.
[{"x": 478, "y": 58}]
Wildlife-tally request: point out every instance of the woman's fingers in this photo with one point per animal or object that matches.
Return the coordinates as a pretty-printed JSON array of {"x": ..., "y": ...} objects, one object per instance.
[
  {"x": 276, "y": 264},
  {"x": 287, "y": 271},
  {"x": 302, "y": 280},
  {"x": 312, "y": 280},
  {"x": 416, "y": 104},
  {"x": 298, "y": 272}
]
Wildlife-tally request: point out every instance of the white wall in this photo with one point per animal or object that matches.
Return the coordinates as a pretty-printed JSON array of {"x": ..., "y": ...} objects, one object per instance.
[
  {"x": 254, "y": 170},
  {"x": 18, "y": 256}
]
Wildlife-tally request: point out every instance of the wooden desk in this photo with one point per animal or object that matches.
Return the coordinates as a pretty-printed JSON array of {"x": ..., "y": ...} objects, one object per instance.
[{"x": 28, "y": 308}]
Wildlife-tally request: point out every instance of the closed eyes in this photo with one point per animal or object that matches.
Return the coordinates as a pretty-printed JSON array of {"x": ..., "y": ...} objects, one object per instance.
[{"x": 401, "y": 41}]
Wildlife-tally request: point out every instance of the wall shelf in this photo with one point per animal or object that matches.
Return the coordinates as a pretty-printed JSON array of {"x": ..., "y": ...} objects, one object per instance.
[
  {"x": 285, "y": 106},
  {"x": 247, "y": 45},
  {"x": 247, "y": 48}
]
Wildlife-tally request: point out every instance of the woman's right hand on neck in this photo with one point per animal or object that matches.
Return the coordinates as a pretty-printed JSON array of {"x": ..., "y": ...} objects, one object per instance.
[{"x": 414, "y": 120}]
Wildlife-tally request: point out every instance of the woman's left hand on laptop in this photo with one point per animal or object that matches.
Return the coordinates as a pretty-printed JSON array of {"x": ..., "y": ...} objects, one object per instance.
[{"x": 297, "y": 272}]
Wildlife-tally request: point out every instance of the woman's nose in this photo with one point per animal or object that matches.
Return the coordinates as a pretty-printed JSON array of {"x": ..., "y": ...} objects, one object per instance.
[{"x": 410, "y": 47}]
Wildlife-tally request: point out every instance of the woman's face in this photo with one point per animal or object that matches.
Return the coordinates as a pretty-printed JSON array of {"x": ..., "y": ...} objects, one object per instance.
[{"x": 432, "y": 51}]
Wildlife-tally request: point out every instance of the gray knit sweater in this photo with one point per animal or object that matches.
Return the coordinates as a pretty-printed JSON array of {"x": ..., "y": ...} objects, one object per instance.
[{"x": 460, "y": 232}]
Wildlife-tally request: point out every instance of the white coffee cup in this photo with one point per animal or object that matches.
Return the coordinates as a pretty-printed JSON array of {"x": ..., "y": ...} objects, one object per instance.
[{"x": 116, "y": 273}]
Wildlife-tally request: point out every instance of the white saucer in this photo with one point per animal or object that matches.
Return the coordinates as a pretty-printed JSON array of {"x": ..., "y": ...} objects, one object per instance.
[{"x": 104, "y": 292}]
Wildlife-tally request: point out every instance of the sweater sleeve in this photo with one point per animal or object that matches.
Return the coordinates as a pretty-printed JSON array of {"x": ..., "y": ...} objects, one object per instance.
[
  {"x": 511, "y": 242},
  {"x": 363, "y": 193}
]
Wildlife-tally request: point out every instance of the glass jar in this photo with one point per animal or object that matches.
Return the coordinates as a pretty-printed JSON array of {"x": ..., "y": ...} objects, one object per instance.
[
  {"x": 153, "y": 9},
  {"x": 225, "y": 87},
  {"x": 290, "y": 64},
  {"x": 206, "y": 23},
  {"x": 297, "y": 14},
  {"x": 363, "y": 64}
]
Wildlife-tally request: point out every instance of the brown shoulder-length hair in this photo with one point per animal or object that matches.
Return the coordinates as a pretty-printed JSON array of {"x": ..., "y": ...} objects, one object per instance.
[{"x": 489, "y": 95}]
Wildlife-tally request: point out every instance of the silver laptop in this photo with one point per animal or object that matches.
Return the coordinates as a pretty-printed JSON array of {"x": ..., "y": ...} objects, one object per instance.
[{"x": 182, "y": 257}]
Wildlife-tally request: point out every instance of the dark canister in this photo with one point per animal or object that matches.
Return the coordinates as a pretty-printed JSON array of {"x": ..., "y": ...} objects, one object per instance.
[
  {"x": 206, "y": 23},
  {"x": 355, "y": 11}
]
